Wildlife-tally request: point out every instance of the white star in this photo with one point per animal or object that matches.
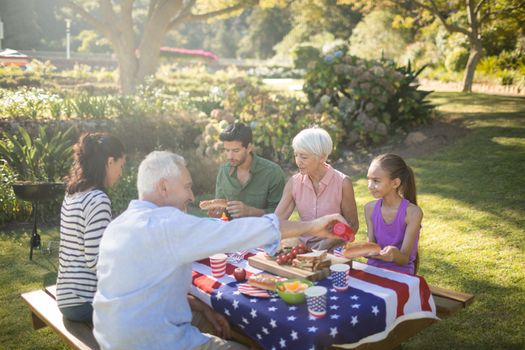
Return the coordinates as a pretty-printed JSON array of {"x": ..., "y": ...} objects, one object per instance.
[
  {"x": 273, "y": 308},
  {"x": 292, "y": 308},
  {"x": 259, "y": 336},
  {"x": 329, "y": 277},
  {"x": 333, "y": 331},
  {"x": 334, "y": 317},
  {"x": 253, "y": 313},
  {"x": 242, "y": 326},
  {"x": 355, "y": 306},
  {"x": 291, "y": 318},
  {"x": 273, "y": 348},
  {"x": 227, "y": 312},
  {"x": 273, "y": 300},
  {"x": 236, "y": 293},
  {"x": 375, "y": 310},
  {"x": 235, "y": 304},
  {"x": 273, "y": 323},
  {"x": 245, "y": 321},
  {"x": 334, "y": 307},
  {"x": 354, "y": 297},
  {"x": 219, "y": 295},
  {"x": 294, "y": 335},
  {"x": 265, "y": 330},
  {"x": 334, "y": 297},
  {"x": 282, "y": 342},
  {"x": 354, "y": 320},
  {"x": 311, "y": 318},
  {"x": 253, "y": 300},
  {"x": 312, "y": 329},
  {"x": 332, "y": 290},
  {"x": 312, "y": 348}
]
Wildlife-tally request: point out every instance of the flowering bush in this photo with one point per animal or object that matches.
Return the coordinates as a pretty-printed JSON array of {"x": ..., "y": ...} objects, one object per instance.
[
  {"x": 369, "y": 97},
  {"x": 27, "y": 103}
]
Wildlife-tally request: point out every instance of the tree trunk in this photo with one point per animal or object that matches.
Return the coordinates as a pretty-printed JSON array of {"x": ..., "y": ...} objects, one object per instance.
[{"x": 476, "y": 51}]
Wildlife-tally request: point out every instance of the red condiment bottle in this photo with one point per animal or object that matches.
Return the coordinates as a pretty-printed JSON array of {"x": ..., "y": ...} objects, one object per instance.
[
  {"x": 224, "y": 217},
  {"x": 344, "y": 231}
]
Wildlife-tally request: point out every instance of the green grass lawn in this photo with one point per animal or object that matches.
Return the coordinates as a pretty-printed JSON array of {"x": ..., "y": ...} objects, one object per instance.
[{"x": 472, "y": 240}]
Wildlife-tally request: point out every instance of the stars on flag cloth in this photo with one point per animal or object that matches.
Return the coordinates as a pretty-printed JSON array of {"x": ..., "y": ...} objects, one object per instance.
[
  {"x": 219, "y": 295},
  {"x": 265, "y": 330},
  {"x": 312, "y": 318},
  {"x": 253, "y": 300},
  {"x": 227, "y": 312},
  {"x": 334, "y": 307},
  {"x": 273, "y": 300},
  {"x": 312, "y": 329},
  {"x": 236, "y": 293},
  {"x": 292, "y": 308},
  {"x": 333, "y": 297},
  {"x": 244, "y": 320},
  {"x": 375, "y": 310},
  {"x": 334, "y": 317},
  {"x": 333, "y": 331},
  {"x": 354, "y": 297},
  {"x": 294, "y": 335},
  {"x": 355, "y": 306},
  {"x": 273, "y": 323},
  {"x": 253, "y": 313},
  {"x": 272, "y": 308},
  {"x": 292, "y": 318},
  {"x": 354, "y": 321},
  {"x": 258, "y": 336},
  {"x": 282, "y": 343},
  {"x": 235, "y": 304}
]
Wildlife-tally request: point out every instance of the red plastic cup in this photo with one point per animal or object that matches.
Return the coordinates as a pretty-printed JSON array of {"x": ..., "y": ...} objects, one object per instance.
[
  {"x": 218, "y": 265},
  {"x": 344, "y": 231}
]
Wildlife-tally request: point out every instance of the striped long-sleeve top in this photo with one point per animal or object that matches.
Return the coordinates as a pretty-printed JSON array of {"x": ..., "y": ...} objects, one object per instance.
[{"x": 83, "y": 219}]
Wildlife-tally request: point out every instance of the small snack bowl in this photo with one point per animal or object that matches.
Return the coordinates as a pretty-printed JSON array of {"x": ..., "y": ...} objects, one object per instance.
[{"x": 292, "y": 290}]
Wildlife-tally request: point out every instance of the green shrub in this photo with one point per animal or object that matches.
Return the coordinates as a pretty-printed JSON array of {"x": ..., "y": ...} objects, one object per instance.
[
  {"x": 457, "y": 59},
  {"x": 369, "y": 97},
  {"x": 10, "y": 208},
  {"x": 303, "y": 54}
]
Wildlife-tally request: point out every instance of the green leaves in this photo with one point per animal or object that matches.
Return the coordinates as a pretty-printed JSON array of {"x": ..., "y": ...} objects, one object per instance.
[{"x": 47, "y": 157}]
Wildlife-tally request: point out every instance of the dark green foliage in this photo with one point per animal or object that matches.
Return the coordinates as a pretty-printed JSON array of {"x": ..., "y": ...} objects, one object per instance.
[{"x": 369, "y": 97}]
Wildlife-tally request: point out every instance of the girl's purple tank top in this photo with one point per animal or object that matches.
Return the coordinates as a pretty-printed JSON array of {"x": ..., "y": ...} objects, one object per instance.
[{"x": 392, "y": 234}]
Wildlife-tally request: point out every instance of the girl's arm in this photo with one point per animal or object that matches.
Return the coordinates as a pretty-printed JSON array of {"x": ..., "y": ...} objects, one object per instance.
[
  {"x": 369, "y": 208},
  {"x": 348, "y": 206},
  {"x": 286, "y": 204},
  {"x": 402, "y": 256}
]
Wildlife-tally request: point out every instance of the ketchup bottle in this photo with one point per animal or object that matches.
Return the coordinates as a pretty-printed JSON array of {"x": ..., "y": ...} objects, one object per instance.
[
  {"x": 344, "y": 231},
  {"x": 224, "y": 217}
]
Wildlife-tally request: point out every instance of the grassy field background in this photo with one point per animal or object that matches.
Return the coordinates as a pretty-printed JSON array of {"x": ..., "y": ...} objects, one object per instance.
[{"x": 473, "y": 197}]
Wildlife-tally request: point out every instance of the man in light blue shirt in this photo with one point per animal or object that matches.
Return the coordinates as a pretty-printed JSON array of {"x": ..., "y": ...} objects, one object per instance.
[{"x": 144, "y": 267}]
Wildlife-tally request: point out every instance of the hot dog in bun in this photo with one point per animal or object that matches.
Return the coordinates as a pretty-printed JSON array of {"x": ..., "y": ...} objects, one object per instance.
[
  {"x": 213, "y": 204},
  {"x": 358, "y": 249}
]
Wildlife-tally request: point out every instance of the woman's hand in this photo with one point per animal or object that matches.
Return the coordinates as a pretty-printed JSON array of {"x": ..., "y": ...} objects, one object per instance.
[{"x": 219, "y": 322}]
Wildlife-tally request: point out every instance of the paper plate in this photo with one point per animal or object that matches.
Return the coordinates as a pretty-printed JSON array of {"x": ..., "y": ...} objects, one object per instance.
[{"x": 248, "y": 289}]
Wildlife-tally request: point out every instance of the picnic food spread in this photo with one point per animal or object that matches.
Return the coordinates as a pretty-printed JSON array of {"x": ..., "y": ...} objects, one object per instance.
[
  {"x": 312, "y": 261},
  {"x": 263, "y": 280},
  {"x": 345, "y": 232},
  {"x": 213, "y": 204},
  {"x": 358, "y": 249}
]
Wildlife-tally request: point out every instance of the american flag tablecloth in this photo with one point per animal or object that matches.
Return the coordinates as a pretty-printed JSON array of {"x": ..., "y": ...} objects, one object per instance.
[{"x": 376, "y": 301}]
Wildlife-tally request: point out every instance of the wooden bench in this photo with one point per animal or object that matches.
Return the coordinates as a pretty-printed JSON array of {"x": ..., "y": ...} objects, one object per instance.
[{"x": 44, "y": 312}]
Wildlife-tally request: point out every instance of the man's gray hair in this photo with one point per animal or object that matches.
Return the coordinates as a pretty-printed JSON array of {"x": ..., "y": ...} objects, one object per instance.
[
  {"x": 156, "y": 166},
  {"x": 316, "y": 141}
]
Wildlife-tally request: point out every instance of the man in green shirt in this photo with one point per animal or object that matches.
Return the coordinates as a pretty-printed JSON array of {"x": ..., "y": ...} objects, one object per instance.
[{"x": 253, "y": 186}]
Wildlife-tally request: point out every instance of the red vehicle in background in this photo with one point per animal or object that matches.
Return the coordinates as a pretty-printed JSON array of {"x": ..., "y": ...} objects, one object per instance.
[{"x": 10, "y": 57}]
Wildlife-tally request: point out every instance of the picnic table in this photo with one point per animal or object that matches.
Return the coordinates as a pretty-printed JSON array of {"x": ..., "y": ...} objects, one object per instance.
[{"x": 376, "y": 302}]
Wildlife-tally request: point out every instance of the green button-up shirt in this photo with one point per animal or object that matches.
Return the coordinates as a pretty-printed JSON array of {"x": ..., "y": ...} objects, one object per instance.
[{"x": 263, "y": 190}]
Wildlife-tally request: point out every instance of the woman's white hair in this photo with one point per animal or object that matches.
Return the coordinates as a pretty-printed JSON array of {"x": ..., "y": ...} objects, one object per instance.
[
  {"x": 156, "y": 166},
  {"x": 316, "y": 141}
]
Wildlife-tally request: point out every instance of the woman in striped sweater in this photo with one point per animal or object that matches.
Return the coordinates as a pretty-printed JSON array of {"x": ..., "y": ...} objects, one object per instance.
[{"x": 98, "y": 160}]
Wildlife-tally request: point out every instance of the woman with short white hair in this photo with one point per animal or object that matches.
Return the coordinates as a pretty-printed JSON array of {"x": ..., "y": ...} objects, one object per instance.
[{"x": 318, "y": 189}]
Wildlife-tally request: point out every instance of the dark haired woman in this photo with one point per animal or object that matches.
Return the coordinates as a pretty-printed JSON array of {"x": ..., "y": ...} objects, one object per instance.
[
  {"x": 394, "y": 220},
  {"x": 98, "y": 159}
]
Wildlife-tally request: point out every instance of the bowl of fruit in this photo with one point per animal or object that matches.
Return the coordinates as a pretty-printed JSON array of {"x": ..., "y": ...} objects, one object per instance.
[{"x": 292, "y": 290}]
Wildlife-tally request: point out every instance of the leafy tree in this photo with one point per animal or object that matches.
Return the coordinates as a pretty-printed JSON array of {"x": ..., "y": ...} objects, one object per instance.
[
  {"x": 136, "y": 28},
  {"x": 478, "y": 15}
]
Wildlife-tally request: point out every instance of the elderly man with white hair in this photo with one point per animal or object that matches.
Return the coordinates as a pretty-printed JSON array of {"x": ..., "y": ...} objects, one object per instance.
[
  {"x": 318, "y": 189},
  {"x": 144, "y": 267}
]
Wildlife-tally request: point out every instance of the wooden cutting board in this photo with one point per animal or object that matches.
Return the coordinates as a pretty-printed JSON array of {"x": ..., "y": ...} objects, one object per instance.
[{"x": 260, "y": 261}]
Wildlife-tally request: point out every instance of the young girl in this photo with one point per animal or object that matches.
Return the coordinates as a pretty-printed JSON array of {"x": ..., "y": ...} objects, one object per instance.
[
  {"x": 86, "y": 211},
  {"x": 394, "y": 219}
]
